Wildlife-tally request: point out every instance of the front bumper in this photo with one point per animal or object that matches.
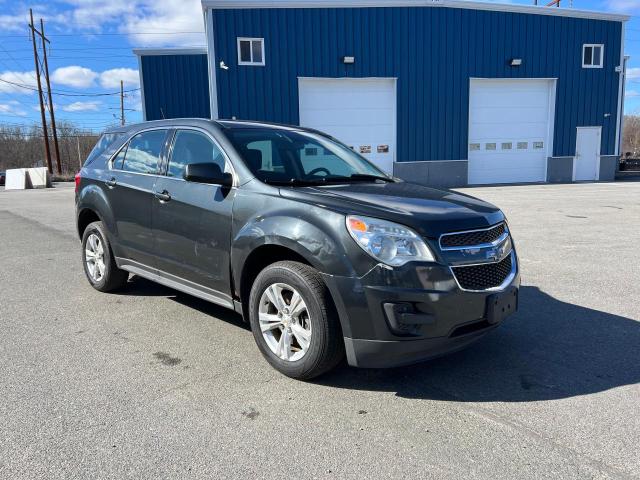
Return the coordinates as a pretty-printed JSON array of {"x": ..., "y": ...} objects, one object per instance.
[{"x": 447, "y": 318}]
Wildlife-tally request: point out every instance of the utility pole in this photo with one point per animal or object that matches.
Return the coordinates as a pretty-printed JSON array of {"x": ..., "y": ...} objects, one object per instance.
[
  {"x": 44, "y": 119},
  {"x": 122, "y": 103},
  {"x": 79, "y": 157},
  {"x": 53, "y": 117}
]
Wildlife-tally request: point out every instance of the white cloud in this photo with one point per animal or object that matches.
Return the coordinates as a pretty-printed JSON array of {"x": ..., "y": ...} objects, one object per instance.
[
  {"x": 74, "y": 76},
  {"x": 92, "y": 14},
  {"x": 22, "y": 78},
  {"x": 13, "y": 108},
  {"x": 166, "y": 16},
  {"x": 13, "y": 23},
  {"x": 92, "y": 106},
  {"x": 633, "y": 73},
  {"x": 111, "y": 78},
  {"x": 623, "y": 5}
]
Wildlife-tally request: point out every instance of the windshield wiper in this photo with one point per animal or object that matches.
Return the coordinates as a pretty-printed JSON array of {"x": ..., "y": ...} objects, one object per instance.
[
  {"x": 366, "y": 177},
  {"x": 294, "y": 182},
  {"x": 328, "y": 180}
]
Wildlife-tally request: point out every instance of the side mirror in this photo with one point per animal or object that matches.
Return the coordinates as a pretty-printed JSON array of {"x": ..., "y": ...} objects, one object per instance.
[{"x": 207, "y": 173}]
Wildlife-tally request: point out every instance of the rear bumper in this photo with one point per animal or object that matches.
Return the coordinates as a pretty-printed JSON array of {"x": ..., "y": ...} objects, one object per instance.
[{"x": 375, "y": 309}]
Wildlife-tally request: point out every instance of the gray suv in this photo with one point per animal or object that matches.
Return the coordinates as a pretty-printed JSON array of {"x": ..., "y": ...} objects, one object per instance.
[{"x": 324, "y": 255}]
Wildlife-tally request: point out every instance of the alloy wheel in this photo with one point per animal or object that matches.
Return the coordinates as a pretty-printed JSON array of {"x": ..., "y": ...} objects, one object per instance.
[
  {"x": 94, "y": 257},
  {"x": 284, "y": 321}
]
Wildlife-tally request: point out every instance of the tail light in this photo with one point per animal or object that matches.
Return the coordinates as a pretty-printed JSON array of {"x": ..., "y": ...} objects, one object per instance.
[{"x": 77, "y": 179}]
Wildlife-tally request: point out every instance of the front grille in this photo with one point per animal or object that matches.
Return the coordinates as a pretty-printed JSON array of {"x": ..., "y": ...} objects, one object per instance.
[
  {"x": 470, "y": 239},
  {"x": 483, "y": 277}
]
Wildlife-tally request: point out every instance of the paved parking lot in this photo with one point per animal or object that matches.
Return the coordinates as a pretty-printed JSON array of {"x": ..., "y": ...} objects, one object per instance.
[{"x": 151, "y": 383}]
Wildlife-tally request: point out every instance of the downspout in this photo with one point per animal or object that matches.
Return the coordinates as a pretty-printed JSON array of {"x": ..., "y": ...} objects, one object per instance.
[
  {"x": 211, "y": 61},
  {"x": 621, "y": 89}
]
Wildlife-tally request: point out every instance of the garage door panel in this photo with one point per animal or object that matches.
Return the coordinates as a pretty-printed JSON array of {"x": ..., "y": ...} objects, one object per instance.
[
  {"x": 523, "y": 98},
  {"x": 341, "y": 117},
  {"x": 514, "y": 114},
  {"x": 515, "y": 131},
  {"x": 501, "y": 170},
  {"x": 505, "y": 115}
]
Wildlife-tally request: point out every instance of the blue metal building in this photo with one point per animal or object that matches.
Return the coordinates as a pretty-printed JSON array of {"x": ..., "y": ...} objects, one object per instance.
[{"x": 442, "y": 92}]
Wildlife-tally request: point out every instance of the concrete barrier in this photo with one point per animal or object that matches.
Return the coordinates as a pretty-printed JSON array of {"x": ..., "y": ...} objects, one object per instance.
[
  {"x": 16, "y": 179},
  {"x": 39, "y": 177},
  {"x": 23, "y": 178}
]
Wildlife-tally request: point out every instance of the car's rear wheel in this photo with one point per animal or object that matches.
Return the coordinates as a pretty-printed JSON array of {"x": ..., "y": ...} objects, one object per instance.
[
  {"x": 98, "y": 261},
  {"x": 294, "y": 321}
]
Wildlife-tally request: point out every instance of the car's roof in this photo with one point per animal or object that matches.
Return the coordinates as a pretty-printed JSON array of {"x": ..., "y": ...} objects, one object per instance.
[{"x": 222, "y": 124}]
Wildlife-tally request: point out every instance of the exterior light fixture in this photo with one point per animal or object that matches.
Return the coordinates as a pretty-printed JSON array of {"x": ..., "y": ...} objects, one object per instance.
[
  {"x": 349, "y": 60},
  {"x": 515, "y": 62},
  {"x": 223, "y": 66}
]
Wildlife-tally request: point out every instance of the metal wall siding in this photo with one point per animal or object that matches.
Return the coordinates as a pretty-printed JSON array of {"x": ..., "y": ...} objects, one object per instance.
[
  {"x": 433, "y": 52},
  {"x": 176, "y": 86}
]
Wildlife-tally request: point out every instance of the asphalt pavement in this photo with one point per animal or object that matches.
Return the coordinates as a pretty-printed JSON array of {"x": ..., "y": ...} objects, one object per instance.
[{"x": 150, "y": 383}]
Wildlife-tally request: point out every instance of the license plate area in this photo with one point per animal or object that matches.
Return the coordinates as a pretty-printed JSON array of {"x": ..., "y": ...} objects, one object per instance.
[{"x": 501, "y": 305}]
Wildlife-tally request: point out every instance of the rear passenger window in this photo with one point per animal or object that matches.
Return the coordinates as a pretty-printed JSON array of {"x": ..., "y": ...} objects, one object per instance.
[
  {"x": 193, "y": 147},
  {"x": 143, "y": 152}
]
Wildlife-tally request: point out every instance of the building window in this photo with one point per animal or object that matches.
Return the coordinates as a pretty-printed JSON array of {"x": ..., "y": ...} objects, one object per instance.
[
  {"x": 251, "y": 51},
  {"x": 592, "y": 55}
]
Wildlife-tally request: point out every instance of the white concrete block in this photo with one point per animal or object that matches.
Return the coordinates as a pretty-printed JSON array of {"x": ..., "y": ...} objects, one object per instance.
[
  {"x": 16, "y": 179},
  {"x": 39, "y": 177}
]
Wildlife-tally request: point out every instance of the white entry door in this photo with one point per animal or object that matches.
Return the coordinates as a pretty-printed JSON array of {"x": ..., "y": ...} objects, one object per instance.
[
  {"x": 510, "y": 129},
  {"x": 360, "y": 112},
  {"x": 586, "y": 165}
]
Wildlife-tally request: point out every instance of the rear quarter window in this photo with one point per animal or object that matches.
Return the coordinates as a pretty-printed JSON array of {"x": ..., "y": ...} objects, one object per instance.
[{"x": 101, "y": 146}]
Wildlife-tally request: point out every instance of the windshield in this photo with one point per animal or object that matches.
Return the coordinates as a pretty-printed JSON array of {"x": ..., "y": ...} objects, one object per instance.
[{"x": 301, "y": 158}]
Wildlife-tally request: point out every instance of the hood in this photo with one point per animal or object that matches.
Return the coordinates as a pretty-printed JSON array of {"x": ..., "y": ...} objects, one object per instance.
[{"x": 429, "y": 211}]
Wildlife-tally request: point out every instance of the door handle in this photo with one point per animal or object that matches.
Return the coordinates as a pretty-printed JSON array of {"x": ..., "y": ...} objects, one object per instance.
[
  {"x": 163, "y": 196},
  {"x": 112, "y": 182}
]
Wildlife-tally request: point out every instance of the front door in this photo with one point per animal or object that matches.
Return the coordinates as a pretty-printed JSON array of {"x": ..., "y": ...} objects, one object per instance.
[
  {"x": 130, "y": 187},
  {"x": 586, "y": 165},
  {"x": 192, "y": 221}
]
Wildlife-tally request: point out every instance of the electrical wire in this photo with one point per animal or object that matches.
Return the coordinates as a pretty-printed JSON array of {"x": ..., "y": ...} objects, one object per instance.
[{"x": 65, "y": 94}]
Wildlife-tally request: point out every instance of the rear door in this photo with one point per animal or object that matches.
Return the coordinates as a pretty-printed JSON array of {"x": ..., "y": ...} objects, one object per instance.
[
  {"x": 192, "y": 221},
  {"x": 130, "y": 188}
]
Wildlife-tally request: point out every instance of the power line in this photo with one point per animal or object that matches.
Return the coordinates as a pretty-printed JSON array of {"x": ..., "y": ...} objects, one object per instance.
[
  {"x": 131, "y": 47},
  {"x": 33, "y": 135},
  {"x": 65, "y": 94},
  {"x": 127, "y": 34}
]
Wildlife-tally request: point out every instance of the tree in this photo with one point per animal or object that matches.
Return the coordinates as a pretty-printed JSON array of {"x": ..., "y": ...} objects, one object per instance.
[
  {"x": 631, "y": 136},
  {"x": 22, "y": 146}
]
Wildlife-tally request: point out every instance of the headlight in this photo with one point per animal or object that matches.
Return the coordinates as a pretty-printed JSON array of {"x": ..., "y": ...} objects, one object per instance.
[{"x": 388, "y": 242}]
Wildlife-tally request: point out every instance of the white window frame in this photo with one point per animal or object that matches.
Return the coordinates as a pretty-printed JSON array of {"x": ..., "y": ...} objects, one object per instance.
[
  {"x": 592, "y": 46},
  {"x": 250, "y": 39}
]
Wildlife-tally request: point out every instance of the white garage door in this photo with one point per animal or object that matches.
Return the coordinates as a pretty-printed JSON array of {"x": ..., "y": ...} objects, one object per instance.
[
  {"x": 510, "y": 126},
  {"x": 359, "y": 112}
]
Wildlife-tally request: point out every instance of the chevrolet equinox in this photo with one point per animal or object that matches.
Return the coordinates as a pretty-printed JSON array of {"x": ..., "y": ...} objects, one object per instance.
[{"x": 321, "y": 252}]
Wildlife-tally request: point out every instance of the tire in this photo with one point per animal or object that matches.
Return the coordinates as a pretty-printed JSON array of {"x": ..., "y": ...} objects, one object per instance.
[
  {"x": 94, "y": 241},
  {"x": 316, "y": 350}
]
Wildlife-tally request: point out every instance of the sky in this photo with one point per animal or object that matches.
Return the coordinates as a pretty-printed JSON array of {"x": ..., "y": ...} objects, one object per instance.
[{"x": 91, "y": 51}]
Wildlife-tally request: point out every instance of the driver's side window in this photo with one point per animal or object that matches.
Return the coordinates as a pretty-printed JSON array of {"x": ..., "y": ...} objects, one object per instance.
[{"x": 191, "y": 146}]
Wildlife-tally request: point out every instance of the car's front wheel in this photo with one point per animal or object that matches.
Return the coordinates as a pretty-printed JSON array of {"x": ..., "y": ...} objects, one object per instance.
[
  {"x": 97, "y": 258},
  {"x": 294, "y": 321}
]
